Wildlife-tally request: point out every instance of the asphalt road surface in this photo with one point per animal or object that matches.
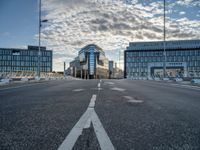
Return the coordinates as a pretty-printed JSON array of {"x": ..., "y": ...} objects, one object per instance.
[{"x": 100, "y": 114}]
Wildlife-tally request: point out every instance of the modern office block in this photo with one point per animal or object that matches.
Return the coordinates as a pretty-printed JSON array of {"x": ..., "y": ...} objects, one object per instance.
[
  {"x": 16, "y": 60},
  {"x": 146, "y": 59}
]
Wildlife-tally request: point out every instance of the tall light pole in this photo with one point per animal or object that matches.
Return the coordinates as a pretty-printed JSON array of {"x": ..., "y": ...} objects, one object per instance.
[
  {"x": 64, "y": 69},
  {"x": 38, "y": 68},
  {"x": 164, "y": 45},
  {"x": 119, "y": 57},
  {"x": 39, "y": 47}
]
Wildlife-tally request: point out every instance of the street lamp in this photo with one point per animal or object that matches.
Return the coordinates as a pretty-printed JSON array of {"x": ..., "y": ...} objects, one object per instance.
[
  {"x": 164, "y": 45},
  {"x": 39, "y": 51}
]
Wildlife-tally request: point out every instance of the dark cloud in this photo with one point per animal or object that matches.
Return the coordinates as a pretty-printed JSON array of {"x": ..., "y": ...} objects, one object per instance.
[
  {"x": 121, "y": 26},
  {"x": 103, "y": 28},
  {"x": 99, "y": 21}
]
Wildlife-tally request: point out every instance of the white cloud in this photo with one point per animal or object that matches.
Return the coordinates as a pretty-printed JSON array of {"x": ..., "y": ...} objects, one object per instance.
[
  {"x": 182, "y": 13},
  {"x": 74, "y": 24}
]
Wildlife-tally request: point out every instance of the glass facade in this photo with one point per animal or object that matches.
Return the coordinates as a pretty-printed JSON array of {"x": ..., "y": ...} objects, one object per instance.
[
  {"x": 12, "y": 60},
  {"x": 92, "y": 63},
  {"x": 147, "y": 61}
]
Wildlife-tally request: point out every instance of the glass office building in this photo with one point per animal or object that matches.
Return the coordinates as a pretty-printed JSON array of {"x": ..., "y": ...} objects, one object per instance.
[
  {"x": 145, "y": 59},
  {"x": 92, "y": 63},
  {"x": 16, "y": 60}
]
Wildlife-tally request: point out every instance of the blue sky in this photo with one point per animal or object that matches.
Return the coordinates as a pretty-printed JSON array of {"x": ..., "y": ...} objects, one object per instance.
[
  {"x": 111, "y": 24},
  {"x": 19, "y": 22}
]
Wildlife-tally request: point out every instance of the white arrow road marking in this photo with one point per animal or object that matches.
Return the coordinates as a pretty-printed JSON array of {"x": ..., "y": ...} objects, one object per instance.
[
  {"x": 104, "y": 140},
  {"x": 76, "y": 131},
  {"x": 132, "y": 100},
  {"x": 88, "y": 123},
  {"x": 86, "y": 119}
]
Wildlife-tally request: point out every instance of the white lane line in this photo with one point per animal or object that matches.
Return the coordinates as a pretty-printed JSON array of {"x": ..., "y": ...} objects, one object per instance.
[
  {"x": 128, "y": 97},
  {"x": 135, "y": 101},
  {"x": 104, "y": 141},
  {"x": 92, "y": 101},
  {"x": 99, "y": 85},
  {"x": 117, "y": 89},
  {"x": 85, "y": 121},
  {"x": 111, "y": 83},
  {"x": 77, "y": 90}
]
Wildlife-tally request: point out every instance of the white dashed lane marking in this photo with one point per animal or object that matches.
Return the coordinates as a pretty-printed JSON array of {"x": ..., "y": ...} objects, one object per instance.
[
  {"x": 78, "y": 90},
  {"x": 117, "y": 89},
  {"x": 132, "y": 100},
  {"x": 111, "y": 83},
  {"x": 99, "y": 85}
]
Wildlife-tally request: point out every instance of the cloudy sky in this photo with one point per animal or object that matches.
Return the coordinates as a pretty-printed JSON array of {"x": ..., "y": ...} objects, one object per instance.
[{"x": 111, "y": 24}]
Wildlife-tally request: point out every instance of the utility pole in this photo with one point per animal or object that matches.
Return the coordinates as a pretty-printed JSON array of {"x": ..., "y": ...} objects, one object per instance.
[
  {"x": 39, "y": 47},
  {"x": 164, "y": 45},
  {"x": 38, "y": 69},
  {"x": 64, "y": 69},
  {"x": 119, "y": 58}
]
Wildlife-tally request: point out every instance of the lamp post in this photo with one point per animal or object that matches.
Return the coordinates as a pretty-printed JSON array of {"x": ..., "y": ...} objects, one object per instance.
[
  {"x": 64, "y": 69},
  {"x": 38, "y": 68},
  {"x": 39, "y": 50},
  {"x": 164, "y": 45},
  {"x": 119, "y": 58}
]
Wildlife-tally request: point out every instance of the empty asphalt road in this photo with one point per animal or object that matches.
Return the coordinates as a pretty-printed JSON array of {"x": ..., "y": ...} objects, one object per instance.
[{"x": 110, "y": 114}]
